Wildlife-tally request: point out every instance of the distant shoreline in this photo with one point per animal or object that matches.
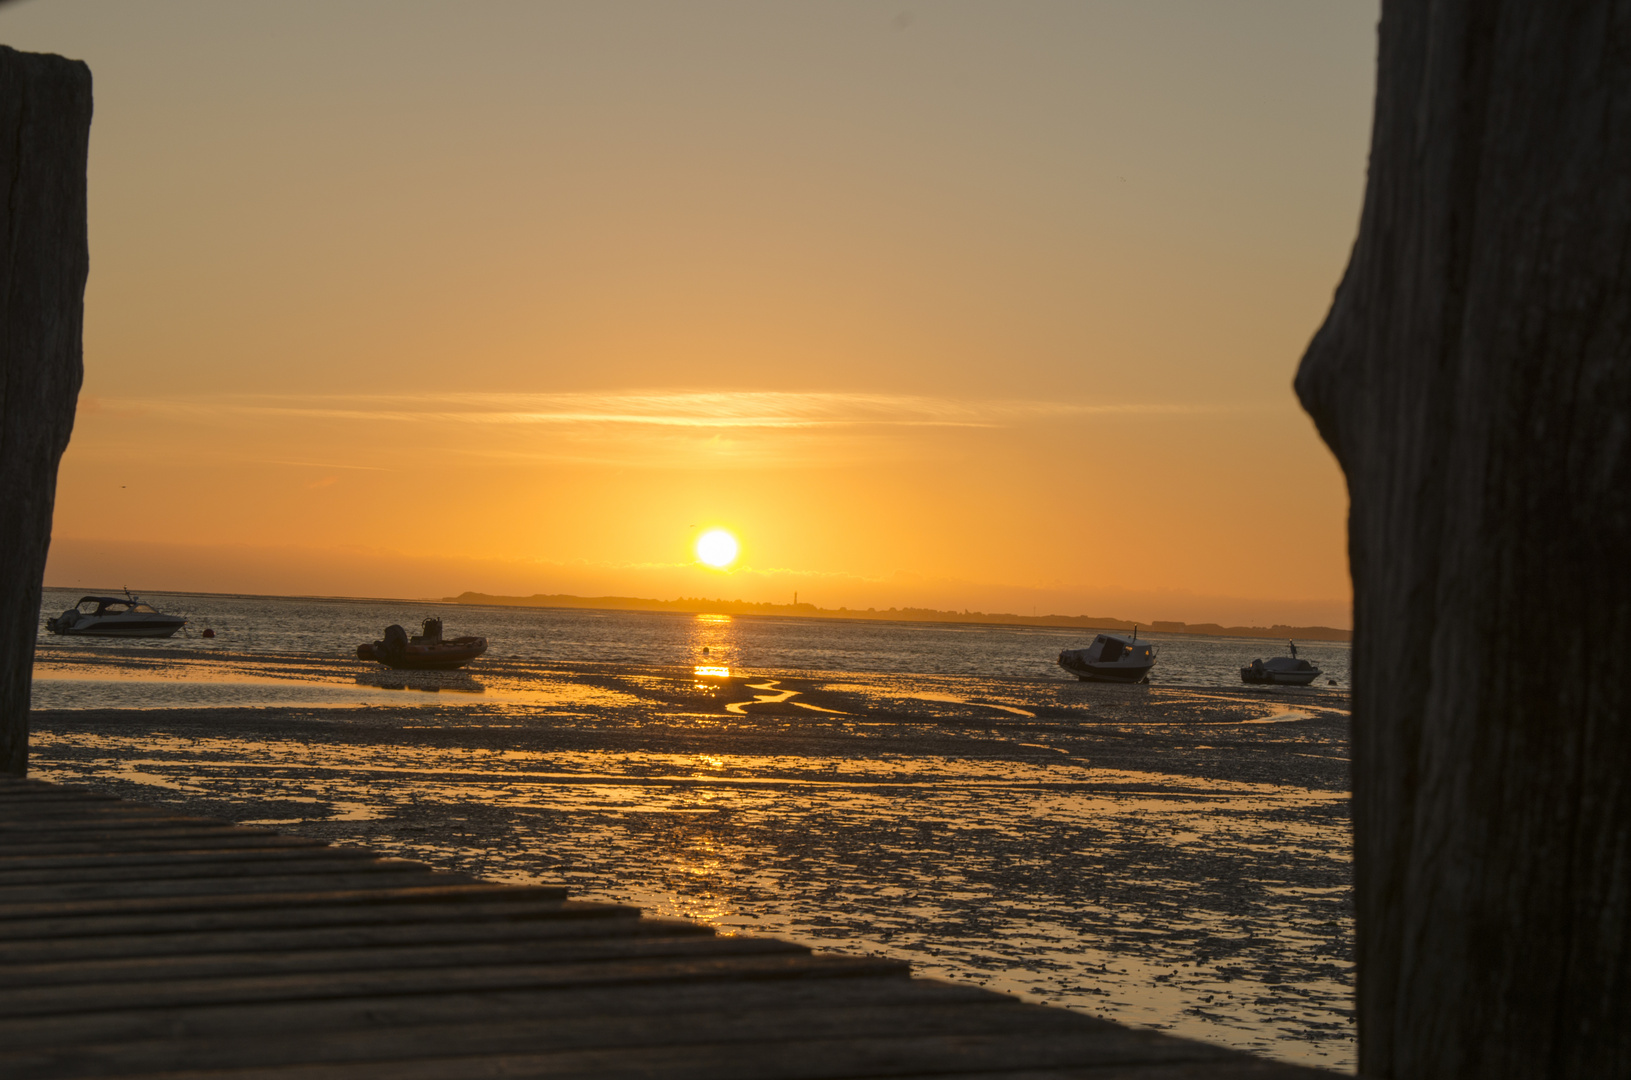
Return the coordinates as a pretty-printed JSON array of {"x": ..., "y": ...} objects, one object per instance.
[{"x": 699, "y": 605}]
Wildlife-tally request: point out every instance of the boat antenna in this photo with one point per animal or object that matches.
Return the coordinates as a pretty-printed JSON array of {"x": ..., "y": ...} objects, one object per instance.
[{"x": 1135, "y": 631}]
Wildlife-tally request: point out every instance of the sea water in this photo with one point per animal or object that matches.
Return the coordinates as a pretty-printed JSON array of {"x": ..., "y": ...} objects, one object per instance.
[{"x": 297, "y": 626}]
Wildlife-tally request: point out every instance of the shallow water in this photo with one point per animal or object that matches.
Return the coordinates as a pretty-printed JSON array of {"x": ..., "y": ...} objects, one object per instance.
[{"x": 1163, "y": 855}]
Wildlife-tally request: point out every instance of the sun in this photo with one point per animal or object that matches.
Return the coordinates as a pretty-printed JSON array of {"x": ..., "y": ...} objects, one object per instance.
[{"x": 716, "y": 547}]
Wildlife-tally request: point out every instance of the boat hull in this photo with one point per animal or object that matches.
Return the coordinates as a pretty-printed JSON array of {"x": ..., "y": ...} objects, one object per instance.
[
  {"x": 442, "y": 657},
  {"x": 1087, "y": 671},
  {"x": 134, "y": 630},
  {"x": 1253, "y": 677}
]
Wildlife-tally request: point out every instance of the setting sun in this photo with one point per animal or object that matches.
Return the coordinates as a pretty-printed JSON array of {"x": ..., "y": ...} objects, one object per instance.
[{"x": 716, "y": 547}]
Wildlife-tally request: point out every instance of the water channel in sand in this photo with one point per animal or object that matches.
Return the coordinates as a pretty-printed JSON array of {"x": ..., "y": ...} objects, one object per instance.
[{"x": 1169, "y": 856}]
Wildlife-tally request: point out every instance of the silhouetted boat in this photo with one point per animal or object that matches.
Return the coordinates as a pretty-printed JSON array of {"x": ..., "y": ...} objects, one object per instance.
[
  {"x": 1280, "y": 671},
  {"x": 109, "y": 616},
  {"x": 426, "y": 651},
  {"x": 1111, "y": 658}
]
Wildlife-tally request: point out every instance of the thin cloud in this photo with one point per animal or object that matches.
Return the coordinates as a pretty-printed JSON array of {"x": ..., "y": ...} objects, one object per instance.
[{"x": 678, "y": 409}]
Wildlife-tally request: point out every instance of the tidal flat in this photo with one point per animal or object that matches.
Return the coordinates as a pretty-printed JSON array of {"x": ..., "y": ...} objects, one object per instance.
[{"x": 1175, "y": 857}]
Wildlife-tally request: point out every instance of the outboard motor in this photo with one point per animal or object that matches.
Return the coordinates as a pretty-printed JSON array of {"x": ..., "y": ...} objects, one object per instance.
[{"x": 395, "y": 644}]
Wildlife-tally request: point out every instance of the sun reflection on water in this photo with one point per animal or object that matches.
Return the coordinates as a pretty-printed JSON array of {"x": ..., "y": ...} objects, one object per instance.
[{"x": 713, "y": 642}]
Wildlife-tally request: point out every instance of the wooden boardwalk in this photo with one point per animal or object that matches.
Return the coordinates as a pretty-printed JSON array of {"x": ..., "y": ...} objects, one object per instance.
[{"x": 138, "y": 942}]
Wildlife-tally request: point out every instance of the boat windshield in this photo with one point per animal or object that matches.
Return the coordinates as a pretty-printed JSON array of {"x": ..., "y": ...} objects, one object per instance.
[{"x": 146, "y": 609}]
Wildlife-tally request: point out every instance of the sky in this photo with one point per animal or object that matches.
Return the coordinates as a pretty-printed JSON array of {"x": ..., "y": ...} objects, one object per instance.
[{"x": 991, "y": 306}]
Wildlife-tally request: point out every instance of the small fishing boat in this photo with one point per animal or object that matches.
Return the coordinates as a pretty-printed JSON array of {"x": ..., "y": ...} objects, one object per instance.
[
  {"x": 425, "y": 651},
  {"x": 109, "y": 616},
  {"x": 1111, "y": 658},
  {"x": 1280, "y": 671}
]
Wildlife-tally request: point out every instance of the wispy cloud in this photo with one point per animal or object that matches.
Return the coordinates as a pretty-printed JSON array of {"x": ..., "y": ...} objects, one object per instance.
[
  {"x": 673, "y": 409},
  {"x": 653, "y": 429}
]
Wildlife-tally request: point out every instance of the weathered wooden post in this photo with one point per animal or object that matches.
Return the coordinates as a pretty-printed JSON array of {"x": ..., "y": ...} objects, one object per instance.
[
  {"x": 1474, "y": 379},
  {"x": 45, "y": 123}
]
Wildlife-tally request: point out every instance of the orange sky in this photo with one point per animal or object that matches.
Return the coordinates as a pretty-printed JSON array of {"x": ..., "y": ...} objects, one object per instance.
[{"x": 988, "y": 305}]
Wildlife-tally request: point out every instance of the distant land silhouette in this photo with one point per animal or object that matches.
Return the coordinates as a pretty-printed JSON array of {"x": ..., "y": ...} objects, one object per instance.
[{"x": 699, "y": 605}]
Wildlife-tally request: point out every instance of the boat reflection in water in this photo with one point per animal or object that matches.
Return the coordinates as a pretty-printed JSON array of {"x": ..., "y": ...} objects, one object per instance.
[{"x": 430, "y": 682}]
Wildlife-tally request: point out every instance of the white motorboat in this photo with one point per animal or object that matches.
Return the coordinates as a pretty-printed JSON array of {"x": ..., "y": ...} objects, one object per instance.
[
  {"x": 1280, "y": 671},
  {"x": 109, "y": 616},
  {"x": 1111, "y": 658}
]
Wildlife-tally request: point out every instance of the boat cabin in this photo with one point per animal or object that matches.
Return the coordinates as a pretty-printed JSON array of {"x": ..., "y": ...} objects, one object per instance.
[
  {"x": 112, "y": 605},
  {"x": 1112, "y": 648}
]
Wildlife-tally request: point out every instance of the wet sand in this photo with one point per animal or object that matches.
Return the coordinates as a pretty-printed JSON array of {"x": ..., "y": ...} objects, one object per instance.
[{"x": 1171, "y": 857}]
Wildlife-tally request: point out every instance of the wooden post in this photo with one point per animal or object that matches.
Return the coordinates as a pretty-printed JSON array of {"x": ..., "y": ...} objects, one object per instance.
[
  {"x": 1474, "y": 379},
  {"x": 45, "y": 122}
]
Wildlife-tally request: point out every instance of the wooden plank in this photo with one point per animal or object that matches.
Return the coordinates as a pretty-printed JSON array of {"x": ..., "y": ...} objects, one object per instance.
[
  {"x": 621, "y": 922},
  {"x": 76, "y": 809},
  {"x": 300, "y": 861},
  {"x": 317, "y": 915},
  {"x": 17, "y": 786},
  {"x": 24, "y": 834},
  {"x": 181, "y": 840},
  {"x": 18, "y": 828},
  {"x": 77, "y": 802},
  {"x": 1238, "y": 1068},
  {"x": 143, "y": 839},
  {"x": 225, "y": 901},
  {"x": 250, "y": 880},
  {"x": 398, "y": 957},
  {"x": 224, "y": 1020},
  {"x": 55, "y": 814},
  {"x": 1122, "y": 1049},
  {"x": 29, "y": 786},
  {"x": 739, "y": 1023},
  {"x": 45, "y": 1001},
  {"x": 119, "y": 860}
]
